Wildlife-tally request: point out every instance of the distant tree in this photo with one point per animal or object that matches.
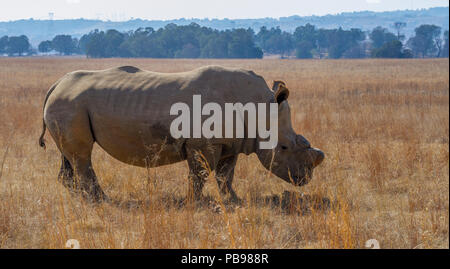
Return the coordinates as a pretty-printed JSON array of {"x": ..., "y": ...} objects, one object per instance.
[
  {"x": 337, "y": 44},
  {"x": 274, "y": 41},
  {"x": 398, "y": 27},
  {"x": 82, "y": 43},
  {"x": 357, "y": 35},
  {"x": 323, "y": 41},
  {"x": 216, "y": 46},
  {"x": 76, "y": 49},
  {"x": 242, "y": 45},
  {"x": 438, "y": 42},
  {"x": 341, "y": 41},
  {"x": 262, "y": 36},
  {"x": 355, "y": 52},
  {"x": 407, "y": 53},
  {"x": 445, "y": 49},
  {"x": 64, "y": 44},
  {"x": 305, "y": 33},
  {"x": 392, "y": 49},
  {"x": 427, "y": 41},
  {"x": 146, "y": 43},
  {"x": 379, "y": 36},
  {"x": 172, "y": 41},
  {"x": 188, "y": 51},
  {"x": 18, "y": 45},
  {"x": 356, "y": 46},
  {"x": 304, "y": 50},
  {"x": 94, "y": 44},
  {"x": 113, "y": 42},
  {"x": 305, "y": 38},
  {"x": 3, "y": 44},
  {"x": 284, "y": 42},
  {"x": 45, "y": 46}
]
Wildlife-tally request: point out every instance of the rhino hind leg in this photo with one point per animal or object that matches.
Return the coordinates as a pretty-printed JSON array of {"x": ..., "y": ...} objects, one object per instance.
[
  {"x": 87, "y": 181},
  {"x": 224, "y": 177},
  {"x": 82, "y": 180},
  {"x": 73, "y": 137}
]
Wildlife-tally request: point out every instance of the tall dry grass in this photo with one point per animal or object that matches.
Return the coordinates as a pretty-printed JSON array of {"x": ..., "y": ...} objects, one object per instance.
[{"x": 383, "y": 125}]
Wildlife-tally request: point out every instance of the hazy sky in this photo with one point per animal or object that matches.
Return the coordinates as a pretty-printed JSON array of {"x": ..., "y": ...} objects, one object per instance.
[{"x": 173, "y": 9}]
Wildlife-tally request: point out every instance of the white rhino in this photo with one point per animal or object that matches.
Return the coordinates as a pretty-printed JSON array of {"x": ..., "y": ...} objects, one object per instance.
[{"x": 125, "y": 111}]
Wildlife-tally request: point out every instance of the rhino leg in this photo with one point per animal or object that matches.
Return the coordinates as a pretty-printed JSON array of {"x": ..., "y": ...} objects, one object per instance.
[
  {"x": 202, "y": 161},
  {"x": 224, "y": 177},
  {"x": 66, "y": 174},
  {"x": 73, "y": 137},
  {"x": 88, "y": 183}
]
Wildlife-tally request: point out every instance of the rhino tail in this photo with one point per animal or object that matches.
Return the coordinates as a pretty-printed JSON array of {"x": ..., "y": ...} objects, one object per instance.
[
  {"x": 41, "y": 138},
  {"x": 44, "y": 126}
]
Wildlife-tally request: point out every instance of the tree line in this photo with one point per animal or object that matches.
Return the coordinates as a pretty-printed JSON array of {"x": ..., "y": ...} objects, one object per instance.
[
  {"x": 194, "y": 41},
  {"x": 310, "y": 42}
]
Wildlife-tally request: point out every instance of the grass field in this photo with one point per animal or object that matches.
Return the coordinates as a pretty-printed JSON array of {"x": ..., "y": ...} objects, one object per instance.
[{"x": 383, "y": 125}]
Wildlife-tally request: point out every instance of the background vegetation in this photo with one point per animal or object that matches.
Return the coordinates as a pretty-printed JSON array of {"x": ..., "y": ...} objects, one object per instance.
[
  {"x": 45, "y": 29},
  {"x": 194, "y": 41}
]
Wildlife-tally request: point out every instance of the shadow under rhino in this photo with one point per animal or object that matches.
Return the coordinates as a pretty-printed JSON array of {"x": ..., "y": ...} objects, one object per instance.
[{"x": 288, "y": 202}]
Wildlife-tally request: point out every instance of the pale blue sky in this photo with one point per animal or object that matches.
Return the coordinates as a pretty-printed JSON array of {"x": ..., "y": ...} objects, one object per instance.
[{"x": 172, "y": 9}]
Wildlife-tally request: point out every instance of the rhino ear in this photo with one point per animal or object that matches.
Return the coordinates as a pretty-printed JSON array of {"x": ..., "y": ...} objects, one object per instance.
[{"x": 280, "y": 90}]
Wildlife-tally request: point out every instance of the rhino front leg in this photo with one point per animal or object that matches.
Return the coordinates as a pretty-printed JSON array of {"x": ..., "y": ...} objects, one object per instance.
[
  {"x": 202, "y": 161},
  {"x": 224, "y": 177}
]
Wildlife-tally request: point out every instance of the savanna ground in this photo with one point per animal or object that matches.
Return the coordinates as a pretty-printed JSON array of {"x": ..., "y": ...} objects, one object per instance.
[{"x": 383, "y": 125}]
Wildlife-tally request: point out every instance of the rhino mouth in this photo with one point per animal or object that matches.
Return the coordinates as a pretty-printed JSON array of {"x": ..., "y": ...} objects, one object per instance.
[
  {"x": 302, "y": 176},
  {"x": 305, "y": 171}
]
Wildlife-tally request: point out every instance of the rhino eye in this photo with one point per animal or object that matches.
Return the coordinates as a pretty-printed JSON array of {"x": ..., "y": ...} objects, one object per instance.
[{"x": 283, "y": 147}]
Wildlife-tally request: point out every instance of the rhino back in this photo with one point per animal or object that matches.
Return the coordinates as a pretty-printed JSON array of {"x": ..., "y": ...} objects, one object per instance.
[{"x": 129, "y": 109}]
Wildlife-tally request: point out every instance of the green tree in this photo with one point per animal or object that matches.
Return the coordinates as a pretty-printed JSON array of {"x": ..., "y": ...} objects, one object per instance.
[
  {"x": 189, "y": 50},
  {"x": 379, "y": 36},
  {"x": 3, "y": 44},
  {"x": 95, "y": 44},
  {"x": 426, "y": 41},
  {"x": 303, "y": 50},
  {"x": 445, "y": 49},
  {"x": 64, "y": 44},
  {"x": 216, "y": 46},
  {"x": 45, "y": 46},
  {"x": 305, "y": 38},
  {"x": 113, "y": 42},
  {"x": 241, "y": 44},
  {"x": 341, "y": 42},
  {"x": 172, "y": 41},
  {"x": 393, "y": 49},
  {"x": 84, "y": 40},
  {"x": 18, "y": 45},
  {"x": 323, "y": 41},
  {"x": 274, "y": 41},
  {"x": 262, "y": 36}
]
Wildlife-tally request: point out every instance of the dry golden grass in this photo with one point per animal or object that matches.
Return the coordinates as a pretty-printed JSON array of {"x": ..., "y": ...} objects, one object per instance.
[{"x": 383, "y": 124}]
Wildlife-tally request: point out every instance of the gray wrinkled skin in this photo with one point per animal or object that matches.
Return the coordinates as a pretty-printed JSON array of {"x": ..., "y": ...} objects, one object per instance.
[{"x": 125, "y": 111}]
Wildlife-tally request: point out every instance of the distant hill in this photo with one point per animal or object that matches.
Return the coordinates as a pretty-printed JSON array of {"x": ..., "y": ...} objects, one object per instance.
[{"x": 39, "y": 30}]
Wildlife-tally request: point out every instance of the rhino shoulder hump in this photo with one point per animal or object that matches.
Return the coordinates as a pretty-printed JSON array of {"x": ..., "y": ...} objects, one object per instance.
[{"x": 128, "y": 69}]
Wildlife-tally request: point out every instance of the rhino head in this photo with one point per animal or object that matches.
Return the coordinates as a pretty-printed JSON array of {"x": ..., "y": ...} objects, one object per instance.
[{"x": 293, "y": 159}]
